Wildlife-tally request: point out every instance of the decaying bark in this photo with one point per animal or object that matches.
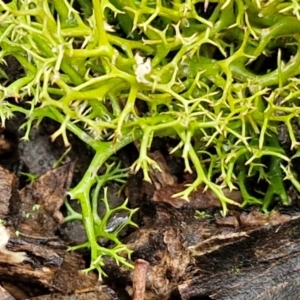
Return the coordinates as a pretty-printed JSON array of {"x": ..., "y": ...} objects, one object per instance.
[
  {"x": 263, "y": 264},
  {"x": 98, "y": 292},
  {"x": 31, "y": 254},
  {"x": 139, "y": 279},
  {"x": 193, "y": 258}
]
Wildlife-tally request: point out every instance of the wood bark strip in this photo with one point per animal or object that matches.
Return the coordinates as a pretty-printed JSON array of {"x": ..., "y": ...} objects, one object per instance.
[{"x": 200, "y": 258}]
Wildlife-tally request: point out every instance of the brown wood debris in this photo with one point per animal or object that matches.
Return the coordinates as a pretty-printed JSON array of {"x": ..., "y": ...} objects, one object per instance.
[
  {"x": 30, "y": 252},
  {"x": 139, "y": 279},
  {"x": 201, "y": 258}
]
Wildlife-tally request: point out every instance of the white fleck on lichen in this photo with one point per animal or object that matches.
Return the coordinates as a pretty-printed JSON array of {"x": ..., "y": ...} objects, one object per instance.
[
  {"x": 108, "y": 27},
  {"x": 143, "y": 68}
]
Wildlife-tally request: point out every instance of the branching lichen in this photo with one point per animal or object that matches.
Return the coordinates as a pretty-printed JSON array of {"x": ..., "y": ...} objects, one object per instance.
[{"x": 218, "y": 76}]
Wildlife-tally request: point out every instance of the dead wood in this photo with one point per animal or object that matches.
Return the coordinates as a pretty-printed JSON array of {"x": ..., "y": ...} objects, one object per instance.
[
  {"x": 98, "y": 292},
  {"x": 32, "y": 254},
  {"x": 191, "y": 259}
]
